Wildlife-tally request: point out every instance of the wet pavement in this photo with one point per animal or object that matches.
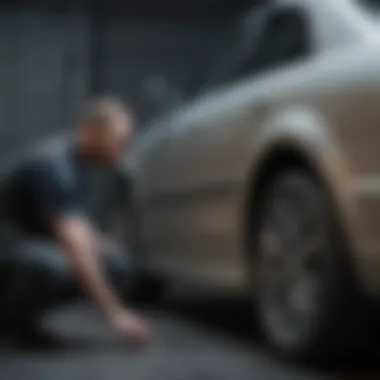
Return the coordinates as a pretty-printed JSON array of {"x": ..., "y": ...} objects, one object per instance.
[{"x": 198, "y": 337}]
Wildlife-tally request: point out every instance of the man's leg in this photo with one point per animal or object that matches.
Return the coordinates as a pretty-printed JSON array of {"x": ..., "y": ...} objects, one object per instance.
[{"x": 39, "y": 280}]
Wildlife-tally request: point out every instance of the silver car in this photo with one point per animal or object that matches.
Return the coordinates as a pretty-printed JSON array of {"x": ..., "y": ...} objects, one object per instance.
[{"x": 269, "y": 185}]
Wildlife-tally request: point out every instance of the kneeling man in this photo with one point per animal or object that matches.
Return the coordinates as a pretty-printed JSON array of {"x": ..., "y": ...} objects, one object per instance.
[{"x": 49, "y": 246}]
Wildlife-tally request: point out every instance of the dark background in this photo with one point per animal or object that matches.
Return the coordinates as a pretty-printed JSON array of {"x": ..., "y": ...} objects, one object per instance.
[{"x": 153, "y": 54}]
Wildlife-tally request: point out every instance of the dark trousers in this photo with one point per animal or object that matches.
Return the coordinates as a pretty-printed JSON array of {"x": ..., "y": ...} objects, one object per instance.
[{"x": 35, "y": 277}]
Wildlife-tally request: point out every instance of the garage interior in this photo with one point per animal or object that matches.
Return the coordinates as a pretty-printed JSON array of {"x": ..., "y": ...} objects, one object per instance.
[{"x": 154, "y": 55}]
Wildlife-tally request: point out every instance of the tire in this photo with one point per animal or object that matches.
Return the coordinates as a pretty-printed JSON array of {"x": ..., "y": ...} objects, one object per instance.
[{"x": 307, "y": 299}]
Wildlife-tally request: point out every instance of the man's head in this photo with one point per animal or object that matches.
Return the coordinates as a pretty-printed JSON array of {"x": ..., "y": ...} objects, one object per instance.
[{"x": 105, "y": 131}]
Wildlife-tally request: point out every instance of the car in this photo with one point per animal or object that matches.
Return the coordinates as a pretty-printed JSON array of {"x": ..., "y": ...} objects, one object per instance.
[{"x": 268, "y": 184}]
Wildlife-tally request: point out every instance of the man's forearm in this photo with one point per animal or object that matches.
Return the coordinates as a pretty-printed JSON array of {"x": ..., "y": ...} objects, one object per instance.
[
  {"x": 76, "y": 238},
  {"x": 92, "y": 278}
]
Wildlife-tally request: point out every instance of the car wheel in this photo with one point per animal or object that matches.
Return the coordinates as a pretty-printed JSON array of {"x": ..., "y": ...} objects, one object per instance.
[{"x": 306, "y": 295}]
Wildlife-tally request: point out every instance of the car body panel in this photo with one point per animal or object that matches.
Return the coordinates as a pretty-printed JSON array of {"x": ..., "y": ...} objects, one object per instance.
[{"x": 194, "y": 173}]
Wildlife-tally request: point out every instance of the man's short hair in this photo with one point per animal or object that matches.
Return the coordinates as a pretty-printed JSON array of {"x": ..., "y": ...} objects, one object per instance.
[{"x": 103, "y": 109}]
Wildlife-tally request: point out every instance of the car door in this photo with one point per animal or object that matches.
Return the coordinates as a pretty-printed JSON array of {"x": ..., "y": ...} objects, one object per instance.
[
  {"x": 206, "y": 157},
  {"x": 151, "y": 167}
]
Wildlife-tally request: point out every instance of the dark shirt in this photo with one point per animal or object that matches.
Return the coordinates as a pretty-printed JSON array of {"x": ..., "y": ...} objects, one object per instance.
[
  {"x": 41, "y": 189},
  {"x": 47, "y": 187}
]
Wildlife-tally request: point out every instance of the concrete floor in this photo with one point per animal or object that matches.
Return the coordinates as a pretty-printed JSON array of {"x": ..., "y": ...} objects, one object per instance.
[{"x": 196, "y": 339}]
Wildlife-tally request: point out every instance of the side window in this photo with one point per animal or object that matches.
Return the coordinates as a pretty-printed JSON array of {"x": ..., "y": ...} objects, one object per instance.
[
  {"x": 281, "y": 38},
  {"x": 284, "y": 41},
  {"x": 370, "y": 5}
]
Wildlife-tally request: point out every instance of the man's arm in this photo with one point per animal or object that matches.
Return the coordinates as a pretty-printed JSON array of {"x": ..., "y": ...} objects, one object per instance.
[
  {"x": 60, "y": 209},
  {"x": 77, "y": 238}
]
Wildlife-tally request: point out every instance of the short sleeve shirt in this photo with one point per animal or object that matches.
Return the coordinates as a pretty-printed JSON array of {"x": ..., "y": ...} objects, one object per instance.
[{"x": 43, "y": 189}]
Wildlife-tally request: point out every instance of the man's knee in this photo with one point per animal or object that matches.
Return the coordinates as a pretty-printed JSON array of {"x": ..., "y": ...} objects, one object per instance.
[
  {"x": 41, "y": 278},
  {"x": 43, "y": 259}
]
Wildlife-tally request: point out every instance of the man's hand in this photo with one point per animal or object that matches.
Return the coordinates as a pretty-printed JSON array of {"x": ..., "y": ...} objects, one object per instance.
[
  {"x": 130, "y": 326},
  {"x": 76, "y": 238}
]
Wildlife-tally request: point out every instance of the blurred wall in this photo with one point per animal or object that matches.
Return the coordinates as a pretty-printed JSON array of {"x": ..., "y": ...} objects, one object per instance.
[
  {"x": 54, "y": 53},
  {"x": 44, "y": 51}
]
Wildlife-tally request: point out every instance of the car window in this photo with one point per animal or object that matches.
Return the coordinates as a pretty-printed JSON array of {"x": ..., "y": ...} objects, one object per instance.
[
  {"x": 370, "y": 5},
  {"x": 370, "y": 9},
  {"x": 282, "y": 39}
]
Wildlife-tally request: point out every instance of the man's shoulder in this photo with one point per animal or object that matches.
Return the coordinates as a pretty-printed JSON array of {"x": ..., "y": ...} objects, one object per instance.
[{"x": 55, "y": 165}]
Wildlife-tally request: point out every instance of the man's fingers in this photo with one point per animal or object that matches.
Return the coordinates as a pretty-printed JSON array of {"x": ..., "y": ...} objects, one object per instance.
[{"x": 132, "y": 328}]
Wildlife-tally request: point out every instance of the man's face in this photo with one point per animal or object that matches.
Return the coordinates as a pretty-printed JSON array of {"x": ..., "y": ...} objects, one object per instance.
[{"x": 112, "y": 139}]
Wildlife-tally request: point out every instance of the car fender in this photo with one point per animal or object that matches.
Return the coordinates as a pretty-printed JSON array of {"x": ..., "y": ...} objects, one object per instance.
[{"x": 303, "y": 130}]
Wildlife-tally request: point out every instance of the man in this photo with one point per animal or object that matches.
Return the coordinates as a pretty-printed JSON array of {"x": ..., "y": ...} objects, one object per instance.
[{"x": 51, "y": 243}]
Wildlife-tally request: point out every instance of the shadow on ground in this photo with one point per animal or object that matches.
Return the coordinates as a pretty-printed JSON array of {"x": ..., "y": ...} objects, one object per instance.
[
  {"x": 234, "y": 317},
  {"x": 200, "y": 328}
]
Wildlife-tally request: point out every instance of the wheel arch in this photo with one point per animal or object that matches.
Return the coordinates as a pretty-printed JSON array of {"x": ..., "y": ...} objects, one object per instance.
[
  {"x": 278, "y": 159},
  {"x": 299, "y": 137}
]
